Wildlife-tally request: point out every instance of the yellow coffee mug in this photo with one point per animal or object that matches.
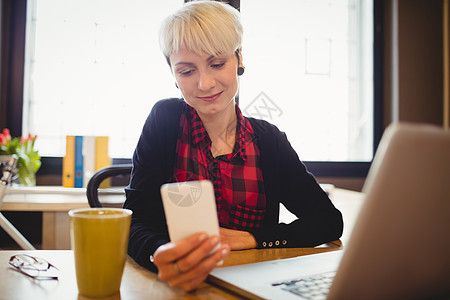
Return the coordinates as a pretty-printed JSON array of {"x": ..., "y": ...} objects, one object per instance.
[{"x": 99, "y": 238}]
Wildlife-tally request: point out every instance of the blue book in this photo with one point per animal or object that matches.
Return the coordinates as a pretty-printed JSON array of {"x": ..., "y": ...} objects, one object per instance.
[{"x": 78, "y": 180}]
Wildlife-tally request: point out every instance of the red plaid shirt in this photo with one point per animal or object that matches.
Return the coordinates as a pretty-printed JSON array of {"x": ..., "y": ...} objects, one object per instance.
[{"x": 237, "y": 177}]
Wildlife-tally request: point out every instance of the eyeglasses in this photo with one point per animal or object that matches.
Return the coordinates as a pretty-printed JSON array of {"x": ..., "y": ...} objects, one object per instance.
[{"x": 34, "y": 267}]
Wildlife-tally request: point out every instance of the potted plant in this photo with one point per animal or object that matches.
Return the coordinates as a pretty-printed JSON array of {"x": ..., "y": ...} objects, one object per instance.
[{"x": 29, "y": 160}]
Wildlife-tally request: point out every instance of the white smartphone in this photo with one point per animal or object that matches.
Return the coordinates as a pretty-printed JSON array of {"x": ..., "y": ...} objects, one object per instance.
[{"x": 190, "y": 207}]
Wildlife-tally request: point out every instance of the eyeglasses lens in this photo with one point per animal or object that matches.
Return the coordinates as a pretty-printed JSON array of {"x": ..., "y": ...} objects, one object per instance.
[{"x": 32, "y": 266}]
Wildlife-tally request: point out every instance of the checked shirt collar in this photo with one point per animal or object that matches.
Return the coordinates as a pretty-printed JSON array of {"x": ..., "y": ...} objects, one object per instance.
[{"x": 199, "y": 134}]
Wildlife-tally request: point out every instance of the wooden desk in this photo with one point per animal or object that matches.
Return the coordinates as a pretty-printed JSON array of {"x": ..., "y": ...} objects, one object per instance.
[
  {"x": 137, "y": 282},
  {"x": 55, "y": 202}
]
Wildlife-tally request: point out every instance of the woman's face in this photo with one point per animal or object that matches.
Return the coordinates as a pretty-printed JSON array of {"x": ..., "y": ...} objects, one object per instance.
[{"x": 208, "y": 83}]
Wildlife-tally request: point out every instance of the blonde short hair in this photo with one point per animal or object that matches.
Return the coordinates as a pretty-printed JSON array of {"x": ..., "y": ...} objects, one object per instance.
[{"x": 202, "y": 26}]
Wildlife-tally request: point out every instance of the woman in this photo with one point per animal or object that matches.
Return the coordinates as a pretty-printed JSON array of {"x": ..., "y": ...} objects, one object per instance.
[{"x": 205, "y": 136}]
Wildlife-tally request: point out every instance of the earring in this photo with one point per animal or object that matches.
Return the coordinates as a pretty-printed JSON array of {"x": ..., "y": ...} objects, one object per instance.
[
  {"x": 176, "y": 84},
  {"x": 240, "y": 71}
]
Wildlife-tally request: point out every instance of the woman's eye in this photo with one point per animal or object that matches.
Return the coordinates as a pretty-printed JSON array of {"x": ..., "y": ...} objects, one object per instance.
[
  {"x": 185, "y": 72},
  {"x": 218, "y": 65}
]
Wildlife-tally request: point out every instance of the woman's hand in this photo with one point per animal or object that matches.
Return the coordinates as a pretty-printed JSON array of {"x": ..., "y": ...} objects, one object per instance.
[
  {"x": 187, "y": 263},
  {"x": 238, "y": 240}
]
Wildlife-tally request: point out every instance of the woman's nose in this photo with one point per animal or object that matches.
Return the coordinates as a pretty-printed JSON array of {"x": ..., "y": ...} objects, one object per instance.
[{"x": 206, "y": 81}]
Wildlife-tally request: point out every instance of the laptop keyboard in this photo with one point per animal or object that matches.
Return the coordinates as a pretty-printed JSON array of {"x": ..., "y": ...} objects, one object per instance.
[{"x": 312, "y": 287}]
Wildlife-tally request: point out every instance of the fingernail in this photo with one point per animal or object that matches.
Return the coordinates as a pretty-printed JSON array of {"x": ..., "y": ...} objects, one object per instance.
[
  {"x": 202, "y": 237},
  {"x": 225, "y": 252},
  {"x": 215, "y": 240}
]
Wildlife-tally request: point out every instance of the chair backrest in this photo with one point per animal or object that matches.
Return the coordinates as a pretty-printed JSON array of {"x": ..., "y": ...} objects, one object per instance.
[{"x": 99, "y": 176}]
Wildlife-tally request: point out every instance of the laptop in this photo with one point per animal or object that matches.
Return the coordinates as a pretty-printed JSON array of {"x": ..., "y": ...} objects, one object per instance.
[{"x": 399, "y": 247}]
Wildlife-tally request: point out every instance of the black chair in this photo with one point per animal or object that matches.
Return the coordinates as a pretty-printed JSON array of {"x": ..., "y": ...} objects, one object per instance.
[{"x": 100, "y": 176}]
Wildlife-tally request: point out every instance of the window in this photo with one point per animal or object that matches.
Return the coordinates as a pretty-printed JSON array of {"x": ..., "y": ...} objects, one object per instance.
[
  {"x": 95, "y": 71},
  {"x": 308, "y": 70}
]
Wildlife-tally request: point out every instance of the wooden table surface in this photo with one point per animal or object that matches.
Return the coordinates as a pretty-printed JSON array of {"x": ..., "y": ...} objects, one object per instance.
[
  {"x": 139, "y": 283},
  {"x": 55, "y": 202}
]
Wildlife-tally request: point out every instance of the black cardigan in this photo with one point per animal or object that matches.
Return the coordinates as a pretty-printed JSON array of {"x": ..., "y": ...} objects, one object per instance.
[{"x": 286, "y": 180}]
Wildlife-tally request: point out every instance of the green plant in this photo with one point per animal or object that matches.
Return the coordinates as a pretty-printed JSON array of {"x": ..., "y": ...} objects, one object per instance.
[{"x": 29, "y": 160}]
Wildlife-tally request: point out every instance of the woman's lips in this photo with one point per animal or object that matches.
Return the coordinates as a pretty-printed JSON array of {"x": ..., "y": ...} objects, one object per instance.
[{"x": 211, "y": 98}]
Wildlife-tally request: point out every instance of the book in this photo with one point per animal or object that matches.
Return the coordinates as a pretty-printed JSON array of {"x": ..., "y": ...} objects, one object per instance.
[
  {"x": 85, "y": 155},
  {"x": 102, "y": 158},
  {"x": 69, "y": 163},
  {"x": 88, "y": 158},
  {"x": 78, "y": 180}
]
